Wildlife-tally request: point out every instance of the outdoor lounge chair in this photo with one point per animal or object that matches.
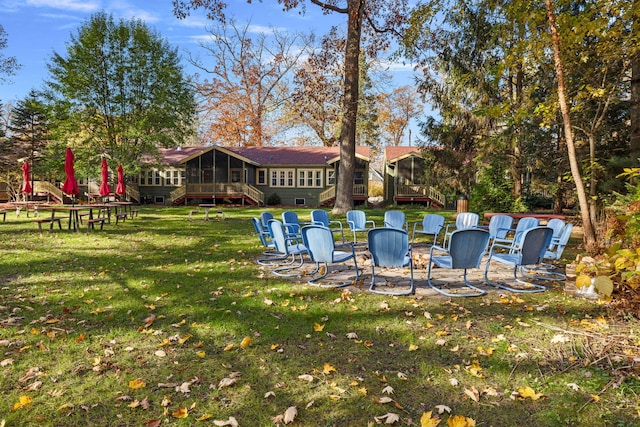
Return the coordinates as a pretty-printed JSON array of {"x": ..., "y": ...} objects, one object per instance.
[
  {"x": 321, "y": 217},
  {"x": 465, "y": 250},
  {"x": 499, "y": 226},
  {"x": 395, "y": 219},
  {"x": 289, "y": 251},
  {"x": 554, "y": 253},
  {"x": 323, "y": 251},
  {"x": 431, "y": 225},
  {"x": 556, "y": 225},
  {"x": 291, "y": 224},
  {"x": 267, "y": 242},
  {"x": 389, "y": 248},
  {"x": 357, "y": 221},
  {"x": 265, "y": 217},
  {"x": 464, "y": 220},
  {"x": 515, "y": 236},
  {"x": 535, "y": 242}
]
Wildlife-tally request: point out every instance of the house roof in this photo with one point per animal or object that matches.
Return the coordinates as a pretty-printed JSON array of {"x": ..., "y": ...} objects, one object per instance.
[
  {"x": 280, "y": 156},
  {"x": 395, "y": 153},
  {"x": 174, "y": 156}
]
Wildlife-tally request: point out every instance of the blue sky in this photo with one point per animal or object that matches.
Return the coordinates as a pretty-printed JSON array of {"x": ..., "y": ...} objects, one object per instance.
[{"x": 37, "y": 28}]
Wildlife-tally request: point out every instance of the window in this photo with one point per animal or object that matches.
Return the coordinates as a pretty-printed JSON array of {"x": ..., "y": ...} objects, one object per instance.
[
  {"x": 236, "y": 175},
  {"x": 176, "y": 177},
  {"x": 309, "y": 178},
  {"x": 331, "y": 177},
  {"x": 358, "y": 177},
  {"x": 262, "y": 177},
  {"x": 158, "y": 180},
  {"x": 167, "y": 178},
  {"x": 282, "y": 178},
  {"x": 299, "y": 202}
]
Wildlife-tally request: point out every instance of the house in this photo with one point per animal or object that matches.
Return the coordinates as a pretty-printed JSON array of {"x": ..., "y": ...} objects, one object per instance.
[
  {"x": 303, "y": 176},
  {"x": 405, "y": 178}
]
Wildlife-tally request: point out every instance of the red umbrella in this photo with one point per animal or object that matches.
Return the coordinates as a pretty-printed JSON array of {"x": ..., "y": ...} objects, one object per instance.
[
  {"x": 70, "y": 185},
  {"x": 105, "y": 190},
  {"x": 121, "y": 188},
  {"x": 26, "y": 179}
]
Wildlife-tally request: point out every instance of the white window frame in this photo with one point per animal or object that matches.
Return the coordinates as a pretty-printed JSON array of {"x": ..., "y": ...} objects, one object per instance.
[
  {"x": 310, "y": 178},
  {"x": 331, "y": 177},
  {"x": 282, "y": 178}
]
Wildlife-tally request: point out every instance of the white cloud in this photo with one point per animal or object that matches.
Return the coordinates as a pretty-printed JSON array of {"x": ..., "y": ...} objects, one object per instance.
[{"x": 71, "y": 5}]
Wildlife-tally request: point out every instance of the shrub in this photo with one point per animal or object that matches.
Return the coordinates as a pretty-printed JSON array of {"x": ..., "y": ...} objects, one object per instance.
[{"x": 273, "y": 200}]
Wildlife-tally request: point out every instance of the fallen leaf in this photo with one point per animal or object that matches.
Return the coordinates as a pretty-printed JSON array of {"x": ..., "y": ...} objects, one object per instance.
[
  {"x": 137, "y": 383},
  {"x": 269, "y": 394},
  {"x": 318, "y": 327},
  {"x": 246, "y": 342},
  {"x": 22, "y": 402},
  {"x": 226, "y": 382},
  {"x": 426, "y": 420},
  {"x": 442, "y": 409},
  {"x": 472, "y": 393},
  {"x": 305, "y": 377},
  {"x": 529, "y": 392},
  {"x": 413, "y": 347},
  {"x": 230, "y": 422},
  {"x": 180, "y": 413},
  {"x": 461, "y": 421},
  {"x": 388, "y": 418},
  {"x": 328, "y": 368},
  {"x": 388, "y": 390},
  {"x": 290, "y": 414},
  {"x": 383, "y": 399}
]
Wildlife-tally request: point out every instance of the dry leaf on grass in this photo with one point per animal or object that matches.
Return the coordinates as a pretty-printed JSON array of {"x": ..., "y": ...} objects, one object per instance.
[{"x": 290, "y": 414}]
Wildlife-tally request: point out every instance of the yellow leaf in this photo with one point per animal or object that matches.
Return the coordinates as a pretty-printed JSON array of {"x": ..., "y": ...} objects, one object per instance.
[
  {"x": 229, "y": 347},
  {"x": 583, "y": 281},
  {"x": 461, "y": 421},
  {"x": 595, "y": 398},
  {"x": 318, "y": 327},
  {"x": 185, "y": 338},
  {"x": 363, "y": 391},
  {"x": 274, "y": 346},
  {"x": 201, "y": 354},
  {"x": 180, "y": 413},
  {"x": 246, "y": 342},
  {"x": 368, "y": 343},
  {"x": 604, "y": 285},
  {"x": 327, "y": 369},
  {"x": 204, "y": 417},
  {"x": 137, "y": 383},
  {"x": 22, "y": 401},
  {"x": 413, "y": 347},
  {"x": 529, "y": 392},
  {"x": 426, "y": 420}
]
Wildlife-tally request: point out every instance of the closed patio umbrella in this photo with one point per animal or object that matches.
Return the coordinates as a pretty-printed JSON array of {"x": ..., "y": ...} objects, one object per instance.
[
  {"x": 70, "y": 185},
  {"x": 105, "y": 190},
  {"x": 121, "y": 188},
  {"x": 26, "y": 178}
]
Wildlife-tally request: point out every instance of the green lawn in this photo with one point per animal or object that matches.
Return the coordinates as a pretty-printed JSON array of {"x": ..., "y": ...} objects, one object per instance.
[{"x": 147, "y": 322}]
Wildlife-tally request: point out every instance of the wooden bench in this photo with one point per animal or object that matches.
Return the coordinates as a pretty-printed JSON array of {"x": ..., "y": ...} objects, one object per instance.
[
  {"x": 121, "y": 216},
  {"x": 3, "y": 213},
  {"x": 50, "y": 221},
  {"x": 134, "y": 213},
  {"x": 91, "y": 222}
]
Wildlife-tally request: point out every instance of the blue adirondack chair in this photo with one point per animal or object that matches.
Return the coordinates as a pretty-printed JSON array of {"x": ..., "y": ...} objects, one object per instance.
[
  {"x": 323, "y": 251},
  {"x": 465, "y": 250},
  {"x": 389, "y": 247}
]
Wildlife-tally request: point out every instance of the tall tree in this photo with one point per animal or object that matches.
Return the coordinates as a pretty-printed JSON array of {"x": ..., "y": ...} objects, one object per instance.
[
  {"x": 120, "y": 90},
  {"x": 587, "y": 224},
  {"x": 248, "y": 82},
  {"x": 397, "y": 109},
  {"x": 635, "y": 87},
  {"x": 375, "y": 17},
  {"x": 29, "y": 128},
  {"x": 8, "y": 64}
]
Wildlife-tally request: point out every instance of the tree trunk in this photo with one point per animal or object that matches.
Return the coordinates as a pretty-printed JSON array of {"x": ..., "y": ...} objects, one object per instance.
[
  {"x": 635, "y": 104},
  {"x": 587, "y": 223},
  {"x": 344, "y": 190}
]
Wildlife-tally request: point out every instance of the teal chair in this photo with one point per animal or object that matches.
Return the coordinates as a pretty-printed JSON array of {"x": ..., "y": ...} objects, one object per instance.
[
  {"x": 321, "y": 217},
  {"x": 358, "y": 222},
  {"x": 430, "y": 225},
  {"x": 389, "y": 248},
  {"x": 395, "y": 219}
]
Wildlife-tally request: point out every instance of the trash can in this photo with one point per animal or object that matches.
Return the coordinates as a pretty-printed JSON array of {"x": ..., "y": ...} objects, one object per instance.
[{"x": 462, "y": 204}]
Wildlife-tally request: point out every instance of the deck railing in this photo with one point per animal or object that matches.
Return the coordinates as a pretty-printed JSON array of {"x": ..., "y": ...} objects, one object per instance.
[
  {"x": 219, "y": 189},
  {"x": 47, "y": 187},
  {"x": 418, "y": 190},
  {"x": 359, "y": 190}
]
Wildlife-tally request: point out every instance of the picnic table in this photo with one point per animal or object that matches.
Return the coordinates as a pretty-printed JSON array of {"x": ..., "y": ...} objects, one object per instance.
[
  {"x": 74, "y": 215},
  {"x": 26, "y": 206},
  {"x": 516, "y": 216},
  {"x": 206, "y": 207}
]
